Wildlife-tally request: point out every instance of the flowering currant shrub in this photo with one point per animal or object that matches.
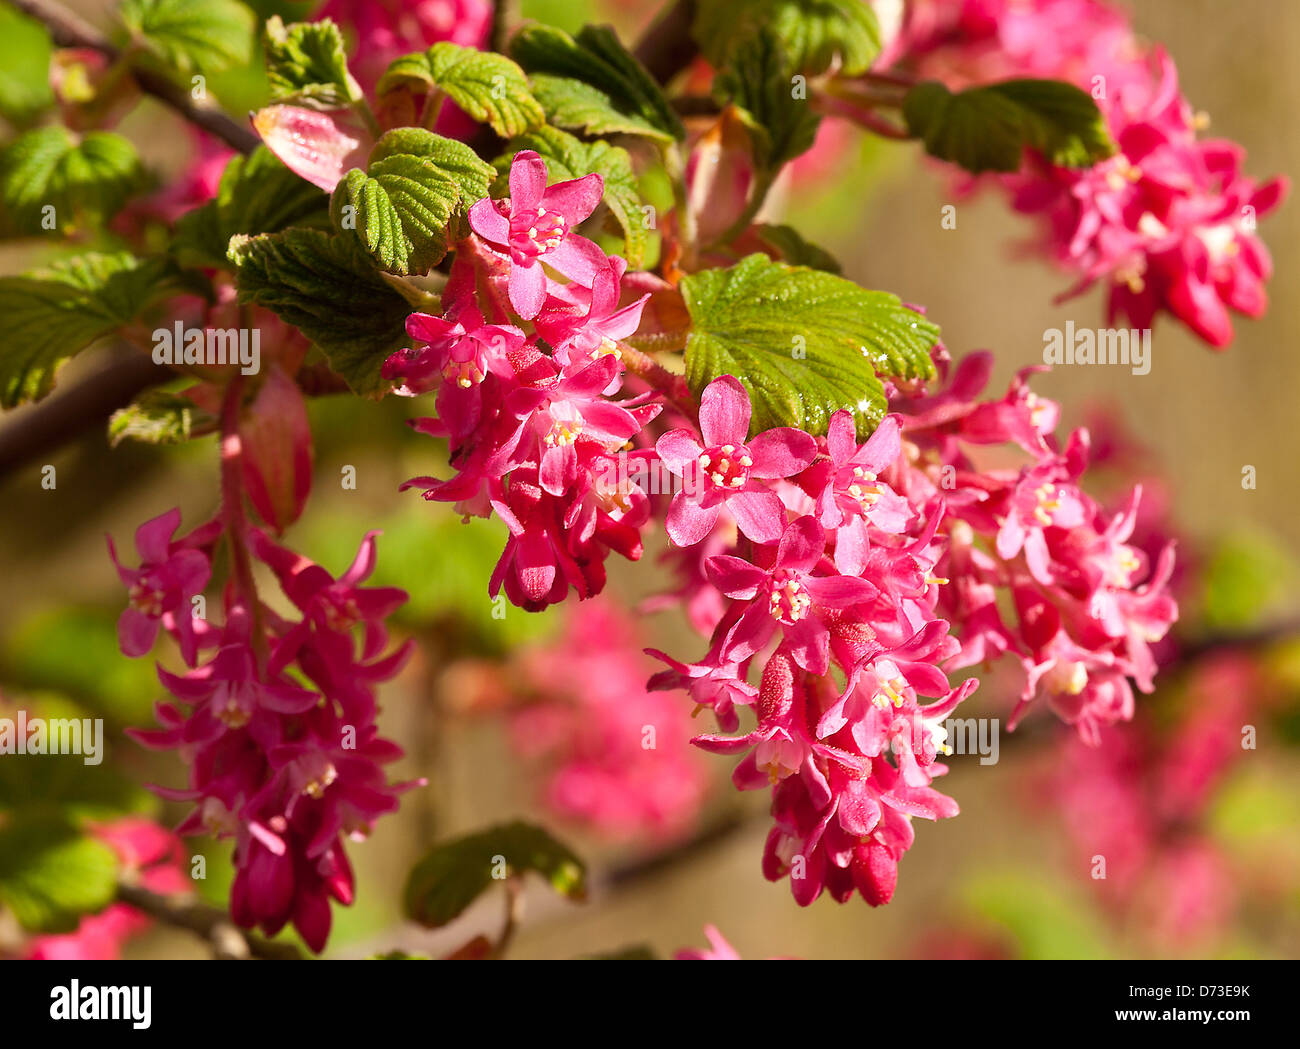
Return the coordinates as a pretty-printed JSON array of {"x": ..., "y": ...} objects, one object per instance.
[{"x": 561, "y": 252}]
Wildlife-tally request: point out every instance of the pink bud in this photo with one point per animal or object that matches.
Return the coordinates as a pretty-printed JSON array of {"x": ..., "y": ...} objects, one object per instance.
[
  {"x": 276, "y": 440},
  {"x": 719, "y": 175},
  {"x": 320, "y": 147}
]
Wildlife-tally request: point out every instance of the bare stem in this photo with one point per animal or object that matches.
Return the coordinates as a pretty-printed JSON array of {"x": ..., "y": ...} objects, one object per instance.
[
  {"x": 226, "y": 939},
  {"x": 70, "y": 30}
]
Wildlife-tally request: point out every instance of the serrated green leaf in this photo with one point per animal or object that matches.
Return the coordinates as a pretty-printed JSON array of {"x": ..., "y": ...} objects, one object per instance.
[
  {"x": 158, "y": 417},
  {"x": 51, "y": 874},
  {"x": 489, "y": 87},
  {"x": 472, "y": 175},
  {"x": 782, "y": 126},
  {"x": 307, "y": 65},
  {"x": 207, "y": 35},
  {"x": 791, "y": 246},
  {"x": 257, "y": 194},
  {"x": 85, "y": 179},
  {"x": 592, "y": 82},
  {"x": 452, "y": 875},
  {"x": 25, "y": 50},
  {"x": 568, "y": 157},
  {"x": 54, "y": 313},
  {"x": 814, "y": 34},
  {"x": 804, "y": 343},
  {"x": 403, "y": 206},
  {"x": 326, "y": 287},
  {"x": 988, "y": 128}
]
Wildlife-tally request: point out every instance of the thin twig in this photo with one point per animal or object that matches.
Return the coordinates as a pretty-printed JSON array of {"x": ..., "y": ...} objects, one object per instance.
[
  {"x": 226, "y": 939},
  {"x": 70, "y": 30}
]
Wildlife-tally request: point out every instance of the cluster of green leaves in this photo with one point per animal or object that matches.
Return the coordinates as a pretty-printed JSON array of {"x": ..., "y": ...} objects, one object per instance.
[{"x": 58, "y": 183}]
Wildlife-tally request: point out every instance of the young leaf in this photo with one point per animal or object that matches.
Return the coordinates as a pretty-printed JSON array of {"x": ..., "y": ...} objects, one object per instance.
[
  {"x": 159, "y": 417},
  {"x": 400, "y": 211},
  {"x": 815, "y": 34},
  {"x": 451, "y": 876},
  {"x": 592, "y": 82},
  {"x": 209, "y": 35},
  {"x": 988, "y": 128},
  {"x": 804, "y": 343},
  {"x": 781, "y": 124},
  {"x": 257, "y": 194},
  {"x": 489, "y": 87},
  {"x": 54, "y": 313},
  {"x": 472, "y": 175},
  {"x": 51, "y": 874},
  {"x": 84, "y": 179},
  {"x": 307, "y": 65},
  {"x": 568, "y": 157},
  {"x": 326, "y": 287}
]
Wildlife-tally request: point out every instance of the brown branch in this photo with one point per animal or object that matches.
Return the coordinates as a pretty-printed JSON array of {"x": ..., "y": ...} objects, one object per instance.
[
  {"x": 70, "y": 30},
  {"x": 43, "y": 428},
  {"x": 226, "y": 939}
]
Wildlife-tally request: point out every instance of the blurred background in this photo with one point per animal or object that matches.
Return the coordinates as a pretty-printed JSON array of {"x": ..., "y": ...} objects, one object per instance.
[{"x": 1210, "y": 868}]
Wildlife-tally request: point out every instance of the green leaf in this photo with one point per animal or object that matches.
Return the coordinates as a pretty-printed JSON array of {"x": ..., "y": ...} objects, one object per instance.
[
  {"x": 988, "y": 128},
  {"x": 403, "y": 206},
  {"x": 568, "y": 157},
  {"x": 66, "y": 786},
  {"x": 805, "y": 344},
  {"x": 489, "y": 87},
  {"x": 593, "y": 83},
  {"x": 257, "y": 194},
  {"x": 54, "y": 313},
  {"x": 791, "y": 247},
  {"x": 1250, "y": 575},
  {"x": 86, "y": 178},
  {"x": 637, "y": 952},
  {"x": 326, "y": 287},
  {"x": 472, "y": 175},
  {"x": 782, "y": 125},
  {"x": 815, "y": 34},
  {"x": 451, "y": 876},
  {"x": 25, "y": 50},
  {"x": 307, "y": 65},
  {"x": 51, "y": 874},
  {"x": 158, "y": 417},
  {"x": 208, "y": 35}
]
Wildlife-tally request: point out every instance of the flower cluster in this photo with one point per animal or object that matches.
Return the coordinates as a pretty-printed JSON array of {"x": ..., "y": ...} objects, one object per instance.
[
  {"x": 1084, "y": 604},
  {"x": 535, "y": 431},
  {"x": 275, "y": 716},
  {"x": 885, "y": 565},
  {"x": 828, "y": 568},
  {"x": 1169, "y": 222}
]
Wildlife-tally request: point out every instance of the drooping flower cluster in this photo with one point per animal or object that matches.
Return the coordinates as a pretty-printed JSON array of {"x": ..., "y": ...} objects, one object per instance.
[
  {"x": 275, "y": 716},
  {"x": 1139, "y": 802},
  {"x": 886, "y": 565},
  {"x": 535, "y": 431},
  {"x": 837, "y": 572},
  {"x": 1084, "y": 603},
  {"x": 1168, "y": 223},
  {"x": 613, "y": 751}
]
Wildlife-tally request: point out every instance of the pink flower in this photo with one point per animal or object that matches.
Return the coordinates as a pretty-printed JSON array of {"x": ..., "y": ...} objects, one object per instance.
[
  {"x": 788, "y": 595},
  {"x": 724, "y": 471},
  {"x": 719, "y": 950},
  {"x": 171, "y": 573},
  {"x": 534, "y": 225}
]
